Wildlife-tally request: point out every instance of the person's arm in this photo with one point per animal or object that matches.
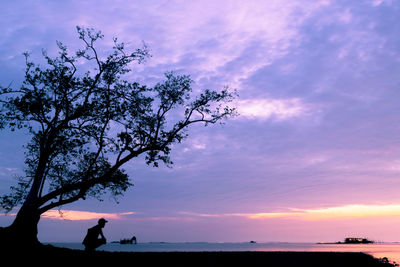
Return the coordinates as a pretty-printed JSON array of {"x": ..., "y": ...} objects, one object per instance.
[{"x": 102, "y": 235}]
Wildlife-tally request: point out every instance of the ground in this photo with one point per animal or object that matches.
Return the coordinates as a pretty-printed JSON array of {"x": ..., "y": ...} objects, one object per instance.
[{"x": 49, "y": 256}]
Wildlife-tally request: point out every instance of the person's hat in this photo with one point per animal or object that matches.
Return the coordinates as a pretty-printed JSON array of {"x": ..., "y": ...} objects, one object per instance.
[{"x": 102, "y": 220}]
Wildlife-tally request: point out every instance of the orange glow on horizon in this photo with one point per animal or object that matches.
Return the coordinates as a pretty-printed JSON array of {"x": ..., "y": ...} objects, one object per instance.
[
  {"x": 353, "y": 212},
  {"x": 74, "y": 215},
  {"x": 346, "y": 212}
]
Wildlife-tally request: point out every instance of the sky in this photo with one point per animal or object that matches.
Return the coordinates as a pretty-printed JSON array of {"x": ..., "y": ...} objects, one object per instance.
[{"x": 314, "y": 155}]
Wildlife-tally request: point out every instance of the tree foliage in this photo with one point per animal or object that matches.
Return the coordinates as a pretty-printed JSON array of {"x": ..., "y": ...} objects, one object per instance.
[{"x": 86, "y": 124}]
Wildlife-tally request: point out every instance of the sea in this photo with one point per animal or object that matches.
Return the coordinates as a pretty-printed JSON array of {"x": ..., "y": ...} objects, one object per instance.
[{"x": 377, "y": 250}]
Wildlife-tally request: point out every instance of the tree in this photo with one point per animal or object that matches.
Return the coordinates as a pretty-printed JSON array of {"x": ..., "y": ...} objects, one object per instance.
[{"x": 86, "y": 124}]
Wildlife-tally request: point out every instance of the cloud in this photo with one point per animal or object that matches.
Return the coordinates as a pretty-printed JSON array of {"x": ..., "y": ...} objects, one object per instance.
[
  {"x": 277, "y": 109},
  {"x": 380, "y": 2},
  {"x": 196, "y": 145},
  {"x": 233, "y": 35},
  {"x": 74, "y": 215}
]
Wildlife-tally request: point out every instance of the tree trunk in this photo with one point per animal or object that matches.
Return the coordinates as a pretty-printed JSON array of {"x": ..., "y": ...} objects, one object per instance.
[{"x": 23, "y": 231}]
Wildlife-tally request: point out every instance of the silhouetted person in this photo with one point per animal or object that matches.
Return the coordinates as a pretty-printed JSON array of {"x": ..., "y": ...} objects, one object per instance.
[
  {"x": 92, "y": 240},
  {"x": 133, "y": 240}
]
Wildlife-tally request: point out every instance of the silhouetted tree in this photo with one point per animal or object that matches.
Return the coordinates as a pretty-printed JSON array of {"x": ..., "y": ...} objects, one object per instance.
[{"x": 87, "y": 123}]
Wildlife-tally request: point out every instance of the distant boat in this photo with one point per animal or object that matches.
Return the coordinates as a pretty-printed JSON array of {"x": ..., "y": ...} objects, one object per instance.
[
  {"x": 128, "y": 241},
  {"x": 253, "y": 242}
]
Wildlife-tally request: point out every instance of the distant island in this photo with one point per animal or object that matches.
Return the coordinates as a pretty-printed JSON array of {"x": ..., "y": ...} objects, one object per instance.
[
  {"x": 353, "y": 240},
  {"x": 356, "y": 240}
]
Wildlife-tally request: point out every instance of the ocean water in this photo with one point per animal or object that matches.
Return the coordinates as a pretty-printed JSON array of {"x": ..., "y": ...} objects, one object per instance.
[{"x": 378, "y": 250}]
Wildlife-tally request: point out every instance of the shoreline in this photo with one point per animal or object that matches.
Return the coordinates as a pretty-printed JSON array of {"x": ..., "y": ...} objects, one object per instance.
[{"x": 206, "y": 258}]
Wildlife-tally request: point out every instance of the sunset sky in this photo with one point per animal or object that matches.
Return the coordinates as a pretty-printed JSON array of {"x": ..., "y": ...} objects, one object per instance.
[{"x": 314, "y": 155}]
